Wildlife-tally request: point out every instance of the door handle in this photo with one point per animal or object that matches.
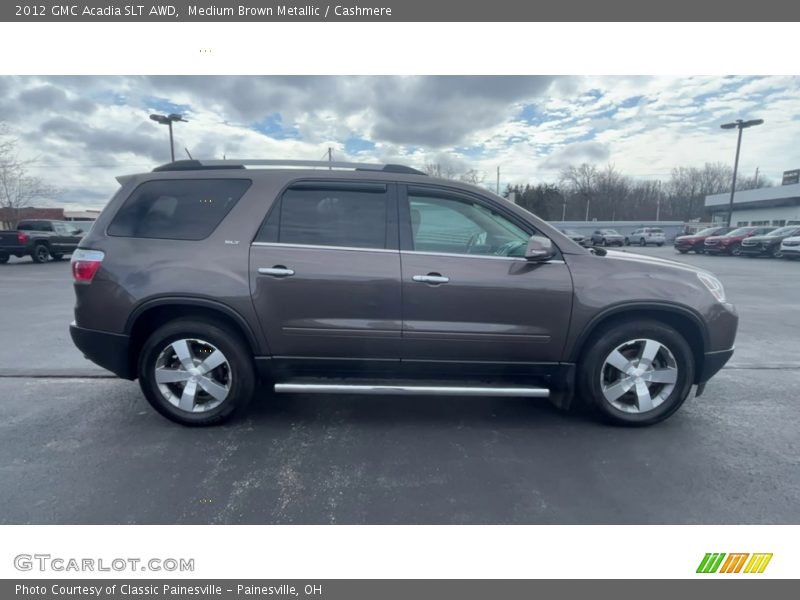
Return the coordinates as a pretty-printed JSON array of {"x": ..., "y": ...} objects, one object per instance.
[
  {"x": 433, "y": 278},
  {"x": 276, "y": 271}
]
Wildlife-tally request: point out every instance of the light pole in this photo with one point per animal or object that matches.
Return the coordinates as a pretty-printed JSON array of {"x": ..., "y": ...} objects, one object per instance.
[
  {"x": 169, "y": 120},
  {"x": 588, "y": 200},
  {"x": 740, "y": 125}
]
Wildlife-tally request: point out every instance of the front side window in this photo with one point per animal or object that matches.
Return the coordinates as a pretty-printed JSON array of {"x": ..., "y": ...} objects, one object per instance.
[
  {"x": 462, "y": 227},
  {"x": 35, "y": 226},
  {"x": 355, "y": 218},
  {"x": 177, "y": 209}
]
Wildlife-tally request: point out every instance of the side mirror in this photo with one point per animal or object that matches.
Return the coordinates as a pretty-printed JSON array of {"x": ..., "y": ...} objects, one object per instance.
[{"x": 539, "y": 248}]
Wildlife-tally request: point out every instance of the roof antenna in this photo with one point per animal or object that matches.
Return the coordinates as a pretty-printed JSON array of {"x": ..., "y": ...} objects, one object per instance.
[{"x": 187, "y": 153}]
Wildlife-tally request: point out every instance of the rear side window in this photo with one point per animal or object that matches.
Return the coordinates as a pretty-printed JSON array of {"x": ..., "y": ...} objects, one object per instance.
[
  {"x": 353, "y": 216},
  {"x": 177, "y": 209},
  {"x": 35, "y": 226}
]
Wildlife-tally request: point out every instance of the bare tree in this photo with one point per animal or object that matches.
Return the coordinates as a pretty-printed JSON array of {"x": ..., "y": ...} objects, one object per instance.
[
  {"x": 18, "y": 189},
  {"x": 445, "y": 171},
  {"x": 473, "y": 176}
]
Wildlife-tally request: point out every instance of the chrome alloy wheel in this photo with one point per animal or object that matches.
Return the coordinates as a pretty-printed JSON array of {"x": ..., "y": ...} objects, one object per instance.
[
  {"x": 193, "y": 375},
  {"x": 638, "y": 375}
]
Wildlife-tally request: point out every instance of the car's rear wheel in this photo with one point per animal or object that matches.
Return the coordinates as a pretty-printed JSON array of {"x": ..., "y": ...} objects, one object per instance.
[
  {"x": 41, "y": 253},
  {"x": 196, "y": 372},
  {"x": 642, "y": 242},
  {"x": 3, "y": 258},
  {"x": 736, "y": 250},
  {"x": 636, "y": 374}
]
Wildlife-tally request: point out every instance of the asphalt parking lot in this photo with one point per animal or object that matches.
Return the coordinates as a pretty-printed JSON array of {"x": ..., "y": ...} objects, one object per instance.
[{"x": 79, "y": 447}]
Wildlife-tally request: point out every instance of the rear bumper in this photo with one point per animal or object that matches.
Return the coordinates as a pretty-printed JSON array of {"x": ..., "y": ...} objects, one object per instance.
[
  {"x": 107, "y": 350},
  {"x": 712, "y": 363}
]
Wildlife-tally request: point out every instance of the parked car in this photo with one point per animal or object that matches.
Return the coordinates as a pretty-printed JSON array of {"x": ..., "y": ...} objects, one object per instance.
[
  {"x": 201, "y": 277},
  {"x": 790, "y": 248},
  {"x": 645, "y": 236},
  {"x": 768, "y": 244},
  {"x": 731, "y": 242},
  {"x": 40, "y": 239},
  {"x": 578, "y": 237},
  {"x": 694, "y": 242},
  {"x": 607, "y": 237}
]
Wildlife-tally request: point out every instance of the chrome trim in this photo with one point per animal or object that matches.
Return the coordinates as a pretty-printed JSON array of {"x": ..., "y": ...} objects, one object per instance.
[
  {"x": 315, "y": 247},
  {"x": 430, "y": 278},
  {"x": 396, "y": 390},
  {"x": 489, "y": 256},
  {"x": 276, "y": 271}
]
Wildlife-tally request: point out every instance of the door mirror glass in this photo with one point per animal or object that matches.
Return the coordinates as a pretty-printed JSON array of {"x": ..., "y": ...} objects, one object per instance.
[{"x": 539, "y": 248}]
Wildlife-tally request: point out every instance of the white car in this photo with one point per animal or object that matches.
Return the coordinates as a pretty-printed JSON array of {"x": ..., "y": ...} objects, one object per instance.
[
  {"x": 647, "y": 235},
  {"x": 790, "y": 247}
]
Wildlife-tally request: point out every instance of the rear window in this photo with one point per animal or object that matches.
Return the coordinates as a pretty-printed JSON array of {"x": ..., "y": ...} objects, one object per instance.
[{"x": 177, "y": 209}]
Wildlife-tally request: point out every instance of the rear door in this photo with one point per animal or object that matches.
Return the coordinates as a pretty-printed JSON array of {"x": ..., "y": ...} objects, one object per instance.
[
  {"x": 325, "y": 274},
  {"x": 469, "y": 295}
]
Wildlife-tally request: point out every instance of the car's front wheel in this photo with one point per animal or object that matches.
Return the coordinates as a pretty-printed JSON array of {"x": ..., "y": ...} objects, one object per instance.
[
  {"x": 196, "y": 372},
  {"x": 636, "y": 374}
]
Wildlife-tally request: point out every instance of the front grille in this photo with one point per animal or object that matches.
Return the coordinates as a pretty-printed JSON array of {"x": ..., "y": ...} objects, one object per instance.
[
  {"x": 749, "y": 243},
  {"x": 711, "y": 243}
]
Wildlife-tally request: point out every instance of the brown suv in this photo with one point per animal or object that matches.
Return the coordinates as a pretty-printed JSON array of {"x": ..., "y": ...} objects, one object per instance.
[{"x": 203, "y": 277}]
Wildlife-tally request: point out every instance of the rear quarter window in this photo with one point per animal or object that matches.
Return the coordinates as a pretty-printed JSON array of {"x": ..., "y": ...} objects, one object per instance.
[{"x": 177, "y": 209}]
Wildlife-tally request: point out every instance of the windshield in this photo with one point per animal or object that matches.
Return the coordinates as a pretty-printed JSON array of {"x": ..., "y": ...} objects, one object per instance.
[
  {"x": 656, "y": 230},
  {"x": 707, "y": 231},
  {"x": 610, "y": 232},
  {"x": 740, "y": 231},
  {"x": 782, "y": 231}
]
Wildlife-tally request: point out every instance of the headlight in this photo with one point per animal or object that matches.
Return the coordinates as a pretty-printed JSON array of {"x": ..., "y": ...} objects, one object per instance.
[{"x": 713, "y": 285}]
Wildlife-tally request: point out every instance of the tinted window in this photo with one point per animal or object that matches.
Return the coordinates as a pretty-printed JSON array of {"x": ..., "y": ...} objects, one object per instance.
[
  {"x": 463, "y": 227},
  {"x": 35, "y": 226},
  {"x": 331, "y": 217},
  {"x": 178, "y": 209}
]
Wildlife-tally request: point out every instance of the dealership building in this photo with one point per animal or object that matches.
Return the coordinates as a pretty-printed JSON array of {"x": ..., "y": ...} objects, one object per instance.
[{"x": 773, "y": 206}]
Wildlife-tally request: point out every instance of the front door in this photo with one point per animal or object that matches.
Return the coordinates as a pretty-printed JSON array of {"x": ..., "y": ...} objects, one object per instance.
[
  {"x": 325, "y": 274},
  {"x": 468, "y": 292}
]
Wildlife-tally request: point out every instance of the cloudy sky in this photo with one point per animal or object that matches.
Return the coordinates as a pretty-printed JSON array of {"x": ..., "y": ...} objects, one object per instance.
[{"x": 85, "y": 130}]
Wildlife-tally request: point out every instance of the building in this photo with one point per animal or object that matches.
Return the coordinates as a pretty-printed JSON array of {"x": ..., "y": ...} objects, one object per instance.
[
  {"x": 10, "y": 217},
  {"x": 774, "y": 206}
]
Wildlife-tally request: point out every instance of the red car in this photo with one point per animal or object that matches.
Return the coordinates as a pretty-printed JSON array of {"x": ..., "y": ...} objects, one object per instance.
[
  {"x": 694, "y": 242},
  {"x": 731, "y": 243}
]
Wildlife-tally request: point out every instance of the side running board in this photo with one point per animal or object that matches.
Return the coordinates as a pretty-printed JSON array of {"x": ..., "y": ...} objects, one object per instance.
[{"x": 420, "y": 390}]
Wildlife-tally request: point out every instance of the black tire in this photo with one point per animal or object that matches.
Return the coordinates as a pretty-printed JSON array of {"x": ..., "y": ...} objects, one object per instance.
[
  {"x": 58, "y": 256},
  {"x": 604, "y": 242},
  {"x": 659, "y": 245},
  {"x": 609, "y": 338},
  {"x": 3, "y": 258},
  {"x": 241, "y": 372},
  {"x": 683, "y": 251},
  {"x": 627, "y": 242},
  {"x": 735, "y": 250},
  {"x": 41, "y": 253},
  {"x": 642, "y": 242}
]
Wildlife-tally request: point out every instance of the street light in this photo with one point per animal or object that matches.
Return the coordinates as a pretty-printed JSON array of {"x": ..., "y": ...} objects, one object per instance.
[
  {"x": 169, "y": 120},
  {"x": 738, "y": 124}
]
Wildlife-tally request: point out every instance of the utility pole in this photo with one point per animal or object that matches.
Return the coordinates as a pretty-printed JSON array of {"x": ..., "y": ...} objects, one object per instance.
[
  {"x": 330, "y": 157},
  {"x": 498, "y": 180},
  {"x": 756, "y": 181},
  {"x": 564, "y": 210},
  {"x": 588, "y": 200},
  {"x": 740, "y": 125}
]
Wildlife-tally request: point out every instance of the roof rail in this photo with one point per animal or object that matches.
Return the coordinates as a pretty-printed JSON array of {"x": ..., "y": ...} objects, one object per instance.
[{"x": 196, "y": 165}]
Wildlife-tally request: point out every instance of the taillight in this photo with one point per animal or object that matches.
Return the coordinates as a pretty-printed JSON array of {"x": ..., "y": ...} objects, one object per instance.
[
  {"x": 85, "y": 264},
  {"x": 22, "y": 238}
]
